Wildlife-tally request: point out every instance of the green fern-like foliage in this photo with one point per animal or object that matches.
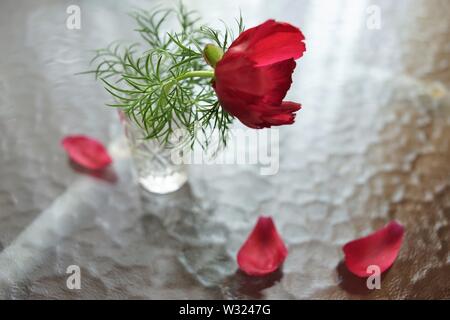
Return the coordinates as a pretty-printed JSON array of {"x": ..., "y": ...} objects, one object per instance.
[{"x": 164, "y": 83}]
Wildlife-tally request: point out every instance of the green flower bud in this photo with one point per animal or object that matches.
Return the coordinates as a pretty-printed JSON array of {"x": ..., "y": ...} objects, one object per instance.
[{"x": 212, "y": 54}]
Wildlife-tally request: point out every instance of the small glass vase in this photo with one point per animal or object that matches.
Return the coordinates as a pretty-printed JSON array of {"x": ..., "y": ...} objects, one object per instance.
[{"x": 157, "y": 172}]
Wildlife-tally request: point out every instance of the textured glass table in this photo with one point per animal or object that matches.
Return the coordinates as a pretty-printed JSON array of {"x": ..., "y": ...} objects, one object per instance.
[{"x": 371, "y": 144}]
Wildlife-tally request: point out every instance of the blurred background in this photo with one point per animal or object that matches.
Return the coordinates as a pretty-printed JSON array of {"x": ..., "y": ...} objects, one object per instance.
[{"x": 371, "y": 144}]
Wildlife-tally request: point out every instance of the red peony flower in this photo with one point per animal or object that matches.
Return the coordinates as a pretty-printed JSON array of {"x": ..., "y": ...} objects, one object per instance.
[
  {"x": 86, "y": 152},
  {"x": 263, "y": 251},
  {"x": 254, "y": 75},
  {"x": 379, "y": 248}
]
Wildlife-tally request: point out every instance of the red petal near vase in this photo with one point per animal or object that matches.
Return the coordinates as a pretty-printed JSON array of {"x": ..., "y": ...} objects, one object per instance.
[
  {"x": 263, "y": 251},
  {"x": 379, "y": 248},
  {"x": 86, "y": 152}
]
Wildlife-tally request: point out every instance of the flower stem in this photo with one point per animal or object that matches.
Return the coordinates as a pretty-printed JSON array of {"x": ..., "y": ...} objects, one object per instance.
[
  {"x": 190, "y": 74},
  {"x": 197, "y": 74}
]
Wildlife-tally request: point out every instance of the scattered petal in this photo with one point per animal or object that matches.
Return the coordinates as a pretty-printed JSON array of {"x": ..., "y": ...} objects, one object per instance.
[
  {"x": 379, "y": 248},
  {"x": 86, "y": 152},
  {"x": 264, "y": 251}
]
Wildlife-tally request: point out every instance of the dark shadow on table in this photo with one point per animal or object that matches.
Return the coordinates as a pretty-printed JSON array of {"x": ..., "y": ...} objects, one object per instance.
[
  {"x": 242, "y": 284},
  {"x": 353, "y": 284},
  {"x": 108, "y": 174}
]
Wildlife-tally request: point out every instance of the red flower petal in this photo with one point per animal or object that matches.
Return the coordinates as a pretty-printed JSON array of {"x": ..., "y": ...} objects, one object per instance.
[
  {"x": 263, "y": 251},
  {"x": 271, "y": 116},
  {"x": 282, "y": 115},
  {"x": 86, "y": 152},
  {"x": 240, "y": 78},
  {"x": 254, "y": 95},
  {"x": 379, "y": 248},
  {"x": 255, "y": 74},
  {"x": 270, "y": 42}
]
